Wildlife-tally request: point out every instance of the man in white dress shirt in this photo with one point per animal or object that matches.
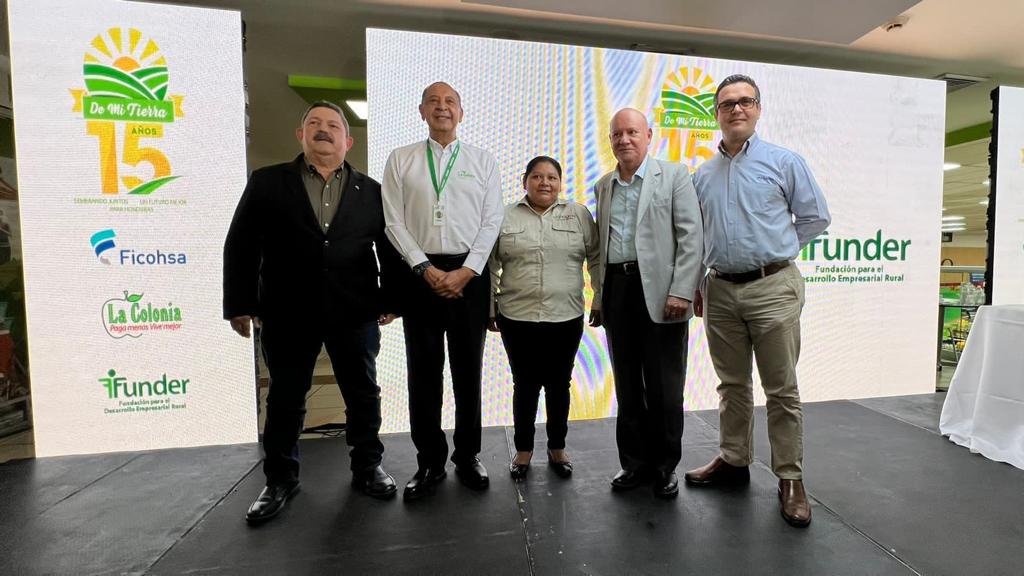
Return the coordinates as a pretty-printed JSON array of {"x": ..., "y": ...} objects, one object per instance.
[{"x": 443, "y": 209}]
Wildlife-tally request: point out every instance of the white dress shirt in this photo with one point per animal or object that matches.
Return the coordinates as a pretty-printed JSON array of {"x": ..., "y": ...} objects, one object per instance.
[{"x": 471, "y": 202}]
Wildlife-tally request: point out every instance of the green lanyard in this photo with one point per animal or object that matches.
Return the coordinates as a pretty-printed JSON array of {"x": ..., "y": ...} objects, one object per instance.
[{"x": 438, "y": 189}]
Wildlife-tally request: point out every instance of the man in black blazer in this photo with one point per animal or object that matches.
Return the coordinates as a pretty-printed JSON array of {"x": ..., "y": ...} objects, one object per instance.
[{"x": 299, "y": 262}]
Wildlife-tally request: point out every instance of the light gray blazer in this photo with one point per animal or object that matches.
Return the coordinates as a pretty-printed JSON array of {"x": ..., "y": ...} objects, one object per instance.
[{"x": 669, "y": 235}]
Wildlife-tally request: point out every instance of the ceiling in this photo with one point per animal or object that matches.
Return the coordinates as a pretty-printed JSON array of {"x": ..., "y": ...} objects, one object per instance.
[{"x": 327, "y": 38}]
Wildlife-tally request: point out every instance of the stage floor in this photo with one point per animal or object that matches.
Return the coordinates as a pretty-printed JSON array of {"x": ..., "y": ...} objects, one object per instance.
[{"x": 890, "y": 496}]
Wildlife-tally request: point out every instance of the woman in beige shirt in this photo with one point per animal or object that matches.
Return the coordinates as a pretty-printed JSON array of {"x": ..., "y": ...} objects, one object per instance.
[{"x": 537, "y": 280}]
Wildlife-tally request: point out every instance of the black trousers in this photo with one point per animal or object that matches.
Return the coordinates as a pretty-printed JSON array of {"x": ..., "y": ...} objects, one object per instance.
[
  {"x": 428, "y": 320},
  {"x": 290, "y": 353},
  {"x": 649, "y": 364},
  {"x": 541, "y": 355}
]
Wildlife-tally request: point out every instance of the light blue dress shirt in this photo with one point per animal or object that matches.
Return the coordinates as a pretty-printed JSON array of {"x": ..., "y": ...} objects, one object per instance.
[
  {"x": 623, "y": 216},
  {"x": 759, "y": 207}
]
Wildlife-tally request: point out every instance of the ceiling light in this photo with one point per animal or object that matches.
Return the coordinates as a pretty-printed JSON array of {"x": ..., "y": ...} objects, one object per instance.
[
  {"x": 950, "y": 166},
  {"x": 358, "y": 107},
  {"x": 948, "y": 218},
  {"x": 984, "y": 202},
  {"x": 986, "y": 182},
  {"x": 960, "y": 229},
  {"x": 943, "y": 208}
]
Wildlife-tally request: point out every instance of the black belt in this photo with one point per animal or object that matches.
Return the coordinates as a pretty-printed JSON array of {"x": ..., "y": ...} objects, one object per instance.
[
  {"x": 625, "y": 268},
  {"x": 744, "y": 277},
  {"x": 447, "y": 262}
]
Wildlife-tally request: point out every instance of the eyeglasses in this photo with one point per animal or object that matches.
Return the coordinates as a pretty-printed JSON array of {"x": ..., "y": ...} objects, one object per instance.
[{"x": 744, "y": 103}]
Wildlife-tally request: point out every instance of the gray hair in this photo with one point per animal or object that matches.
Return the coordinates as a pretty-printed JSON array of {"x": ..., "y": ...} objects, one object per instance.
[{"x": 332, "y": 106}]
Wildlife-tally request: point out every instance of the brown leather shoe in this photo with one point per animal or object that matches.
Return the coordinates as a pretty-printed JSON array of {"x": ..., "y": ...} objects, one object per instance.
[
  {"x": 718, "y": 472},
  {"x": 796, "y": 510}
]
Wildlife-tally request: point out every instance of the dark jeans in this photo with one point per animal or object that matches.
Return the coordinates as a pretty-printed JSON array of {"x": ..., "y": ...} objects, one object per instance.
[
  {"x": 428, "y": 320},
  {"x": 649, "y": 364},
  {"x": 541, "y": 355},
  {"x": 291, "y": 353}
]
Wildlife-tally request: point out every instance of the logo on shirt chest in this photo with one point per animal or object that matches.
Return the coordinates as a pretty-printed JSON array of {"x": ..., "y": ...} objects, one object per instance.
[{"x": 465, "y": 174}]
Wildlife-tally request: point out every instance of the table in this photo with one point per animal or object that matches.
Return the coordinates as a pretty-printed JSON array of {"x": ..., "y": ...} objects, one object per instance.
[{"x": 984, "y": 408}]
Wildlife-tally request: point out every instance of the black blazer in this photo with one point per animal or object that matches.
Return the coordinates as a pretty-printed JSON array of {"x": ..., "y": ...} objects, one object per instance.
[{"x": 280, "y": 266}]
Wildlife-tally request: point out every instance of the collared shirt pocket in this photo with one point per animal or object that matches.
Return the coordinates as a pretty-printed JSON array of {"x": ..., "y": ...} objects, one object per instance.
[
  {"x": 510, "y": 235},
  {"x": 568, "y": 234},
  {"x": 764, "y": 194}
]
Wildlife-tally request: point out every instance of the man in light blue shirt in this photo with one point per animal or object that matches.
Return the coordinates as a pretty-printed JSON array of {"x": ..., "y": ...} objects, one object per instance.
[
  {"x": 760, "y": 206},
  {"x": 622, "y": 218},
  {"x": 648, "y": 221}
]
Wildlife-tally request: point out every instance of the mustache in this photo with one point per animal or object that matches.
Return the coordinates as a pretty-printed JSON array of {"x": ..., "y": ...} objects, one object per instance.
[{"x": 323, "y": 136}]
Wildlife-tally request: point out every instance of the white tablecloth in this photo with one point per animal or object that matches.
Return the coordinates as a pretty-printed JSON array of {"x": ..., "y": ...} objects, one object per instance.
[{"x": 984, "y": 408}]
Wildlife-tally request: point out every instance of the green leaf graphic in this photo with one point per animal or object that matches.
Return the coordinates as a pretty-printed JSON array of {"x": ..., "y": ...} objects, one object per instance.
[{"x": 152, "y": 185}]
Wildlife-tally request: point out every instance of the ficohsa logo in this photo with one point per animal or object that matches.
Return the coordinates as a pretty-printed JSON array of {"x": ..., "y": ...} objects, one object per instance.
[
  {"x": 104, "y": 245},
  {"x": 132, "y": 316}
]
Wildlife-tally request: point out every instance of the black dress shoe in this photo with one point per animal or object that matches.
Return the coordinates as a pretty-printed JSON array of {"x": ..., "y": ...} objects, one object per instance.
[
  {"x": 562, "y": 469},
  {"x": 376, "y": 482},
  {"x": 626, "y": 480},
  {"x": 270, "y": 502},
  {"x": 666, "y": 485},
  {"x": 423, "y": 482},
  {"x": 518, "y": 471},
  {"x": 472, "y": 474}
]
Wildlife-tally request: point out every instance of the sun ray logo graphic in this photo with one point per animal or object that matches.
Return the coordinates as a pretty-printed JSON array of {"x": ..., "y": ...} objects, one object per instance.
[
  {"x": 688, "y": 100},
  {"x": 686, "y": 117},
  {"x": 126, "y": 90},
  {"x": 125, "y": 64},
  {"x": 691, "y": 92}
]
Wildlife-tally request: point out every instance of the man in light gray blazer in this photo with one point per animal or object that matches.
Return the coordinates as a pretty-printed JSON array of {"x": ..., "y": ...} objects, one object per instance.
[{"x": 651, "y": 241}]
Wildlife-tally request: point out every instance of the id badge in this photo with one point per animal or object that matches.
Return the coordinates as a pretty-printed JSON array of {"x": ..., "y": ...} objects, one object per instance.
[{"x": 438, "y": 212}]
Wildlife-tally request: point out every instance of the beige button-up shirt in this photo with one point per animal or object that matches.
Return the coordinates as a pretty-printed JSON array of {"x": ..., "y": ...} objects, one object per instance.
[{"x": 537, "y": 263}]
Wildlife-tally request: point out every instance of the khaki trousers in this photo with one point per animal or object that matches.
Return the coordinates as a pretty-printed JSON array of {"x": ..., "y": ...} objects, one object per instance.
[{"x": 758, "y": 319}]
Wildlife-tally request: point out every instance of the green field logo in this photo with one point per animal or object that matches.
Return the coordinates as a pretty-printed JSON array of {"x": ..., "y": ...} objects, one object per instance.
[
  {"x": 688, "y": 100},
  {"x": 126, "y": 81}
]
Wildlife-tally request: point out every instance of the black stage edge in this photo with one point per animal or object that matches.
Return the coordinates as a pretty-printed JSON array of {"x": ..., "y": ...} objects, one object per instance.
[{"x": 890, "y": 496}]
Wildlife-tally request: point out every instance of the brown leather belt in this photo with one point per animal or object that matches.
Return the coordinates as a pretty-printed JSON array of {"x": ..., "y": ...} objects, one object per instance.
[
  {"x": 744, "y": 277},
  {"x": 624, "y": 268}
]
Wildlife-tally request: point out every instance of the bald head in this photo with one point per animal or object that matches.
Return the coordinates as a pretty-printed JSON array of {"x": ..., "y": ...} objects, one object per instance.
[
  {"x": 630, "y": 137},
  {"x": 443, "y": 87},
  {"x": 441, "y": 109},
  {"x": 627, "y": 115}
]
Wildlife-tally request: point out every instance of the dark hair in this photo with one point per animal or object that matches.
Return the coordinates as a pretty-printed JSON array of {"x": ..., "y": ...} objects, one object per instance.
[
  {"x": 326, "y": 104},
  {"x": 533, "y": 164},
  {"x": 736, "y": 79}
]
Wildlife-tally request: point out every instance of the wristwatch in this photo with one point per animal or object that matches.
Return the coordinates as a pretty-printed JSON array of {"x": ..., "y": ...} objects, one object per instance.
[{"x": 420, "y": 268}]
